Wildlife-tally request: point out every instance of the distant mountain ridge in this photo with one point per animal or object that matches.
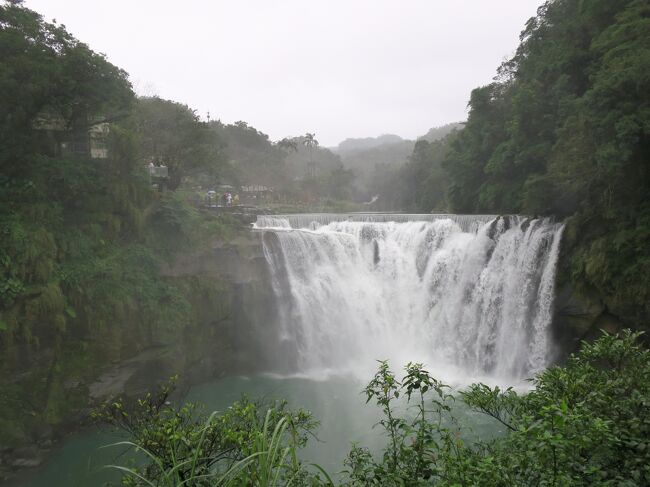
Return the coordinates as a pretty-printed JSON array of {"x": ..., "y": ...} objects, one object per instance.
[
  {"x": 362, "y": 154},
  {"x": 354, "y": 144}
]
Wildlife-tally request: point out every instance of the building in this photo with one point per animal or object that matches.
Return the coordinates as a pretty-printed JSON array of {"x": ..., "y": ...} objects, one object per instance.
[
  {"x": 256, "y": 193},
  {"x": 85, "y": 136}
]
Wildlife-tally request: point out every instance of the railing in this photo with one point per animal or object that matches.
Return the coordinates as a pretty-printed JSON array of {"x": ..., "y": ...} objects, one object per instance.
[{"x": 158, "y": 171}]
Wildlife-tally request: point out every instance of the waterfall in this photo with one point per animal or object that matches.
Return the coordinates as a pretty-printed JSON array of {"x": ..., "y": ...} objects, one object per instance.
[{"x": 470, "y": 296}]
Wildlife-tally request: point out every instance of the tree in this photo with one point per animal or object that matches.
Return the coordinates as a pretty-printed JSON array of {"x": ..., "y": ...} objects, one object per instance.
[
  {"x": 309, "y": 140},
  {"x": 288, "y": 144},
  {"x": 49, "y": 77},
  {"x": 564, "y": 130},
  {"x": 252, "y": 157},
  {"x": 171, "y": 134},
  {"x": 583, "y": 424}
]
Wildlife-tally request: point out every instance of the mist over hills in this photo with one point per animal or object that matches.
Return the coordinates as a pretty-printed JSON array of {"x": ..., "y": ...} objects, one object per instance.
[
  {"x": 391, "y": 149},
  {"x": 356, "y": 144}
]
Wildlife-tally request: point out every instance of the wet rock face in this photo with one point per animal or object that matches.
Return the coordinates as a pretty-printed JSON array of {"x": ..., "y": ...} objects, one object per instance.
[
  {"x": 27, "y": 462},
  {"x": 233, "y": 296},
  {"x": 227, "y": 287},
  {"x": 134, "y": 376},
  {"x": 236, "y": 261},
  {"x": 581, "y": 315},
  {"x": 14, "y": 460},
  {"x": 581, "y": 309},
  {"x": 246, "y": 303}
]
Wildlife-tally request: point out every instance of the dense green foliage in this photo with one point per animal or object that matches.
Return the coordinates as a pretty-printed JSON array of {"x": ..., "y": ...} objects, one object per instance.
[
  {"x": 252, "y": 157},
  {"x": 42, "y": 193},
  {"x": 83, "y": 238},
  {"x": 319, "y": 172},
  {"x": 419, "y": 184},
  {"x": 564, "y": 131},
  {"x": 250, "y": 443},
  {"x": 583, "y": 424},
  {"x": 86, "y": 237},
  {"x": 564, "y": 128},
  {"x": 47, "y": 72},
  {"x": 171, "y": 134},
  {"x": 297, "y": 168}
]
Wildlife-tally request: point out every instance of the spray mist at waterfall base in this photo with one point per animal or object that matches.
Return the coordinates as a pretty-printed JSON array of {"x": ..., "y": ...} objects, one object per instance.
[{"x": 469, "y": 296}]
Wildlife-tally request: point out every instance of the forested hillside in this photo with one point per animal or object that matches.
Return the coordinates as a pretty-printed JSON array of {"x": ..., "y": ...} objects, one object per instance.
[
  {"x": 84, "y": 233},
  {"x": 564, "y": 130},
  {"x": 384, "y": 167},
  {"x": 407, "y": 176},
  {"x": 90, "y": 234}
]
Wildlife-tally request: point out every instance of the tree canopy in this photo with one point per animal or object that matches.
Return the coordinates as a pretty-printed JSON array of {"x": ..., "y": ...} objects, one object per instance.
[
  {"x": 171, "y": 134},
  {"x": 47, "y": 73},
  {"x": 564, "y": 130}
]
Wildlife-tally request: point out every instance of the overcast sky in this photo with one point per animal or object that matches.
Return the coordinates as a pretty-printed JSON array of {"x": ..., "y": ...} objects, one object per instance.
[{"x": 339, "y": 68}]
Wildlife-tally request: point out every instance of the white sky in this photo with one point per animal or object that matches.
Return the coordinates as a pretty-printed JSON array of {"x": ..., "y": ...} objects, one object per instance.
[{"x": 339, "y": 68}]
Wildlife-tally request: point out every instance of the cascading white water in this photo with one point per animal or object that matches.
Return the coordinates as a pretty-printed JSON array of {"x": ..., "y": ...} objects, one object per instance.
[{"x": 471, "y": 296}]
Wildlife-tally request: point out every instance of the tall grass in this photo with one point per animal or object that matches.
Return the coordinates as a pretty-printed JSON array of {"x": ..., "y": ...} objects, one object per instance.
[{"x": 271, "y": 462}]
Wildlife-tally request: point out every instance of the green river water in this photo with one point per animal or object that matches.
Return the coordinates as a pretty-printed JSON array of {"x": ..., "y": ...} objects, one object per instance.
[{"x": 336, "y": 402}]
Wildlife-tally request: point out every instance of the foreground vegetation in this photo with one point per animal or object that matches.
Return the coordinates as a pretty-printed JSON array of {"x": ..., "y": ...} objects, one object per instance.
[{"x": 583, "y": 423}]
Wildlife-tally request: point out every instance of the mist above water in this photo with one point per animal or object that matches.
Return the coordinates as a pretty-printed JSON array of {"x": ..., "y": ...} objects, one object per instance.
[{"x": 470, "y": 296}]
